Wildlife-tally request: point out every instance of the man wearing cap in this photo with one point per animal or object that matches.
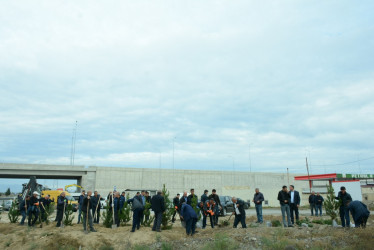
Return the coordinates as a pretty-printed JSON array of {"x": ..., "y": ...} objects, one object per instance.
[
  {"x": 33, "y": 209},
  {"x": 344, "y": 198}
]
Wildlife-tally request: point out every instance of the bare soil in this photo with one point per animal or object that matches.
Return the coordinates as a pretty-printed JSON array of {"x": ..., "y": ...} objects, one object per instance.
[{"x": 13, "y": 236}]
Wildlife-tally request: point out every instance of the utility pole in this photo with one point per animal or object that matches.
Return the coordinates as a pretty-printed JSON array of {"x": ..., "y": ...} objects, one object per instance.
[
  {"x": 307, "y": 169},
  {"x": 73, "y": 140},
  {"x": 250, "y": 162},
  {"x": 288, "y": 177}
]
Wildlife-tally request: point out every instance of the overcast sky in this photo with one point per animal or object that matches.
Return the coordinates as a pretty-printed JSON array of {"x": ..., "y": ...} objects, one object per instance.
[{"x": 254, "y": 83}]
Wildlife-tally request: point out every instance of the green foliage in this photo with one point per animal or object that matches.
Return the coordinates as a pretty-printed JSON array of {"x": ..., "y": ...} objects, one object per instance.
[
  {"x": 306, "y": 221},
  {"x": 13, "y": 214},
  {"x": 141, "y": 247},
  {"x": 322, "y": 222},
  {"x": 69, "y": 217},
  {"x": 107, "y": 217},
  {"x": 331, "y": 204},
  {"x": 125, "y": 214},
  {"x": 167, "y": 215},
  {"x": 195, "y": 207},
  {"x": 166, "y": 246},
  {"x": 222, "y": 242},
  {"x": 105, "y": 247},
  {"x": 7, "y": 193},
  {"x": 148, "y": 219},
  {"x": 276, "y": 223}
]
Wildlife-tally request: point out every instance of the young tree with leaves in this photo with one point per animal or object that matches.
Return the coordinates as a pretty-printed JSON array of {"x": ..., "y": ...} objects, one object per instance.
[
  {"x": 7, "y": 193},
  {"x": 107, "y": 216},
  {"x": 69, "y": 217},
  {"x": 331, "y": 204},
  {"x": 13, "y": 214},
  {"x": 169, "y": 210},
  {"x": 195, "y": 207}
]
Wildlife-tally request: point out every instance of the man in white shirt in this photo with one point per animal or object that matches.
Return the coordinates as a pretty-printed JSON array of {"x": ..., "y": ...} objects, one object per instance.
[{"x": 239, "y": 212}]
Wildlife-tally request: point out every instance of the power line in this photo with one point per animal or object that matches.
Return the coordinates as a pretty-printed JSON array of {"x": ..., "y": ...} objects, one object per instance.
[{"x": 345, "y": 163}]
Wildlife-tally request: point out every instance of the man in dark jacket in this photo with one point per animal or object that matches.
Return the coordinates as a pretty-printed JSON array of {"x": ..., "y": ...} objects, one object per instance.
[
  {"x": 61, "y": 206},
  {"x": 239, "y": 212},
  {"x": 122, "y": 199},
  {"x": 218, "y": 205},
  {"x": 204, "y": 197},
  {"x": 33, "y": 209},
  {"x": 201, "y": 207},
  {"x": 294, "y": 203},
  {"x": 344, "y": 198},
  {"x": 80, "y": 202},
  {"x": 137, "y": 207},
  {"x": 116, "y": 208},
  {"x": 319, "y": 201},
  {"x": 312, "y": 203},
  {"x": 360, "y": 213},
  {"x": 158, "y": 207},
  {"x": 23, "y": 205},
  {"x": 183, "y": 199},
  {"x": 209, "y": 210},
  {"x": 257, "y": 200},
  {"x": 284, "y": 198},
  {"x": 189, "y": 215},
  {"x": 147, "y": 197},
  {"x": 44, "y": 205},
  {"x": 86, "y": 212},
  {"x": 191, "y": 196},
  {"x": 176, "y": 205},
  {"x": 96, "y": 206}
]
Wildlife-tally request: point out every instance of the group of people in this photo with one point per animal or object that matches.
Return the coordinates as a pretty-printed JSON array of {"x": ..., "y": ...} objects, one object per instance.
[
  {"x": 188, "y": 207},
  {"x": 290, "y": 202},
  {"x": 34, "y": 208}
]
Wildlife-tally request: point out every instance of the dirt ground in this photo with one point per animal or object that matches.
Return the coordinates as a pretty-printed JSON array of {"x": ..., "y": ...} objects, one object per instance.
[{"x": 13, "y": 236}]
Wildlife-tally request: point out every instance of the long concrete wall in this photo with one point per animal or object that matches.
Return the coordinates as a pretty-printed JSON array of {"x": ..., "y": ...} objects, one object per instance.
[
  {"x": 103, "y": 179},
  {"x": 240, "y": 184}
]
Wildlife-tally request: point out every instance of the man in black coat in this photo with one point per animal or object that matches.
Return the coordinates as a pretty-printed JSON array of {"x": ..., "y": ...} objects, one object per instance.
[
  {"x": 86, "y": 212},
  {"x": 158, "y": 207},
  {"x": 191, "y": 196},
  {"x": 176, "y": 205},
  {"x": 294, "y": 203},
  {"x": 312, "y": 203},
  {"x": 360, "y": 213},
  {"x": 204, "y": 197},
  {"x": 215, "y": 196},
  {"x": 61, "y": 206},
  {"x": 96, "y": 206},
  {"x": 284, "y": 198},
  {"x": 44, "y": 205},
  {"x": 239, "y": 212},
  {"x": 257, "y": 200},
  {"x": 319, "y": 202},
  {"x": 344, "y": 198}
]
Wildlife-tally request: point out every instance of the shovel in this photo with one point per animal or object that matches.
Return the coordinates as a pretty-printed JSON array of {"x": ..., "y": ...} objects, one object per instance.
[
  {"x": 113, "y": 224},
  {"x": 88, "y": 210},
  {"x": 63, "y": 215}
]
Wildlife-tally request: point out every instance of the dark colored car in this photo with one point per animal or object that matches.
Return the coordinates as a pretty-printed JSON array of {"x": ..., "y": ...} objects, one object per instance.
[{"x": 226, "y": 205}]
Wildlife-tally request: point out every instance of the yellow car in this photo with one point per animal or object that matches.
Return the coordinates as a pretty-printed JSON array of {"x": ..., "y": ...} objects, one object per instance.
[{"x": 54, "y": 194}]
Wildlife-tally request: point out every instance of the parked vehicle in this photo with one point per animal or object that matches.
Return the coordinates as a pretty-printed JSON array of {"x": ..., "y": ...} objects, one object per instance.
[
  {"x": 54, "y": 194},
  {"x": 7, "y": 205},
  {"x": 226, "y": 205}
]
